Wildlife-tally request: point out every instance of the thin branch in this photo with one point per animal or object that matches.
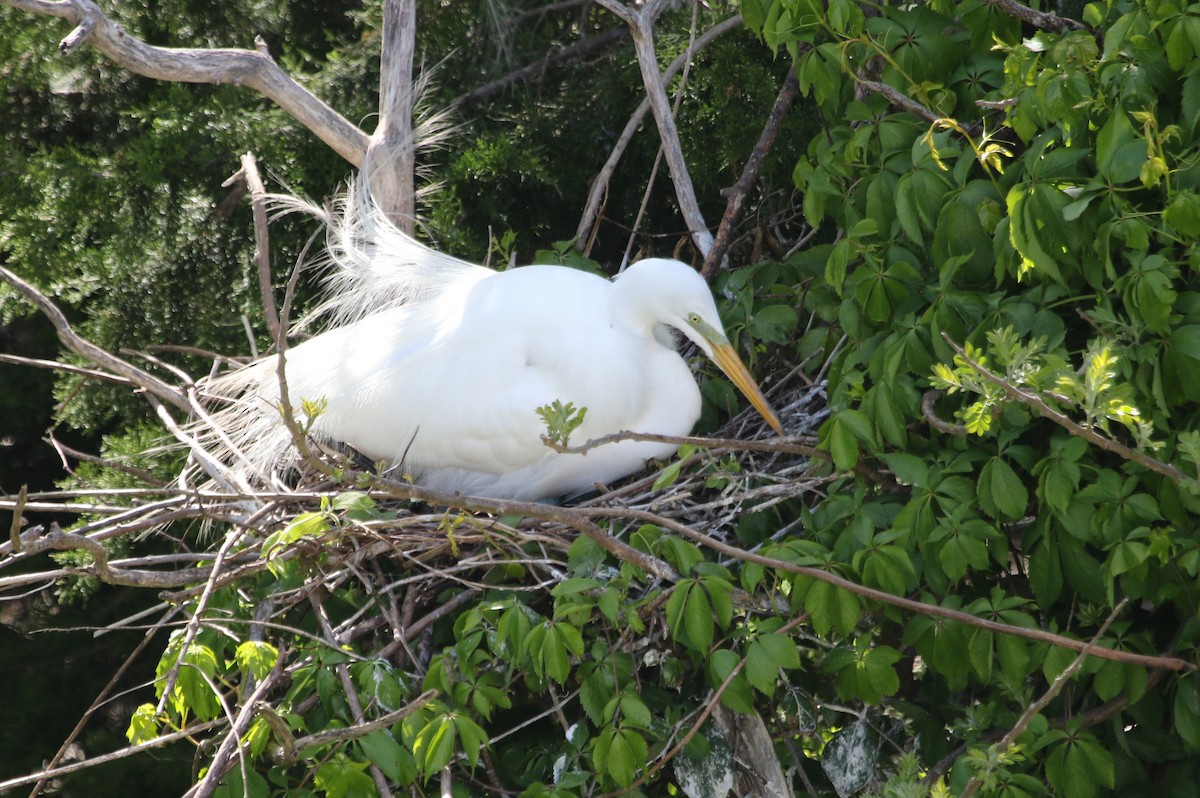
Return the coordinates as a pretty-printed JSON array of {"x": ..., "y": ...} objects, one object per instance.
[
  {"x": 348, "y": 688},
  {"x": 220, "y": 763},
  {"x": 1043, "y": 701},
  {"x": 587, "y": 222},
  {"x": 54, "y": 365},
  {"x": 103, "y": 696},
  {"x": 262, "y": 252},
  {"x": 133, "y": 750},
  {"x": 1064, "y": 421},
  {"x": 563, "y": 55},
  {"x": 362, "y": 729},
  {"x": 194, "y": 65},
  {"x": 920, "y": 607},
  {"x": 85, "y": 348},
  {"x": 641, "y": 23},
  {"x": 736, "y": 195}
]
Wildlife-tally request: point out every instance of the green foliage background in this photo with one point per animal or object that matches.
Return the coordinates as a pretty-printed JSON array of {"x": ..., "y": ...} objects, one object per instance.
[{"x": 1050, "y": 234}]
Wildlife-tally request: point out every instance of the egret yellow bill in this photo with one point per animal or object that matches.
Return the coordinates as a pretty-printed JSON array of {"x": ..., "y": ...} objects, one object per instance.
[{"x": 438, "y": 366}]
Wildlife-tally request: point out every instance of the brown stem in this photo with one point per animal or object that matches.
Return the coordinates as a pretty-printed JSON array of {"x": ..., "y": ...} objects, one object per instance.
[
  {"x": 1062, "y": 420},
  {"x": 737, "y": 194},
  {"x": 1040, "y": 635}
]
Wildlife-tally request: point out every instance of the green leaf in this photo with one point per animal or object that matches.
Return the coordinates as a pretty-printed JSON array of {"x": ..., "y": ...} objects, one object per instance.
[
  {"x": 831, "y": 607},
  {"x": 765, "y": 656},
  {"x": 1186, "y": 711},
  {"x": 1126, "y": 556},
  {"x": 634, "y": 712},
  {"x": 340, "y": 778},
  {"x": 907, "y": 468},
  {"x": 143, "y": 725},
  {"x": 738, "y": 694},
  {"x": 1001, "y": 491},
  {"x": 1120, "y": 152},
  {"x": 393, "y": 759},
  {"x": 698, "y": 619},
  {"x": 434, "y": 744}
]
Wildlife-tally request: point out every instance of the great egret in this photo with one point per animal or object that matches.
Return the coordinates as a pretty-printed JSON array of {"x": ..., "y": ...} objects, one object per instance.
[{"x": 437, "y": 366}]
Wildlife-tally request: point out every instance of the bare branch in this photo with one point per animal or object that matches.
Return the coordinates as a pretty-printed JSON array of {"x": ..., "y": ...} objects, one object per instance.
[
  {"x": 900, "y": 100},
  {"x": 737, "y": 194},
  {"x": 641, "y": 23},
  {"x": 1128, "y": 657},
  {"x": 85, "y": 348},
  {"x": 132, "y": 750},
  {"x": 262, "y": 252},
  {"x": 1044, "y": 700},
  {"x": 1046, "y": 20},
  {"x": 219, "y": 767},
  {"x": 571, "y": 52},
  {"x": 195, "y": 65},
  {"x": 391, "y": 164},
  {"x": 585, "y": 231}
]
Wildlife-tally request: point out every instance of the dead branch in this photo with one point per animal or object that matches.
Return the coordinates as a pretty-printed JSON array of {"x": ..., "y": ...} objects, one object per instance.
[
  {"x": 575, "y": 51},
  {"x": 149, "y": 745},
  {"x": 249, "y": 68},
  {"x": 391, "y": 171},
  {"x": 641, "y": 23},
  {"x": 1046, "y": 20},
  {"x": 585, "y": 232},
  {"x": 86, "y": 349}
]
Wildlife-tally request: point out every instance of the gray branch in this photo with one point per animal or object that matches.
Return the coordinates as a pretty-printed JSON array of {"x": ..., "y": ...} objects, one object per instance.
[{"x": 248, "y": 68}]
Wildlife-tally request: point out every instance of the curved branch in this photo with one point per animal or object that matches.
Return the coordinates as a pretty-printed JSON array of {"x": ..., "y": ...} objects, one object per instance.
[
  {"x": 85, "y": 348},
  {"x": 195, "y": 65}
]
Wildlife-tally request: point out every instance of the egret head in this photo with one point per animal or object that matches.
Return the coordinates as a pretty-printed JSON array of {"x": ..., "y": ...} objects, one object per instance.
[{"x": 674, "y": 294}]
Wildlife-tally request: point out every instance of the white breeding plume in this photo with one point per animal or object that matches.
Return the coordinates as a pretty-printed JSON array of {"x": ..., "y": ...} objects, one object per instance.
[{"x": 437, "y": 366}]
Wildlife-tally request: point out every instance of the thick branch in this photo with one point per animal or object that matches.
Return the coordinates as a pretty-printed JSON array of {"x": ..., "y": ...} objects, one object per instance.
[
  {"x": 1045, "y": 20},
  {"x": 193, "y": 65},
  {"x": 392, "y": 161}
]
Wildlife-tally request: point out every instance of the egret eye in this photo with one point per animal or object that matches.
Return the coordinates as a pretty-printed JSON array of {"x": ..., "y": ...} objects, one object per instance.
[{"x": 693, "y": 318}]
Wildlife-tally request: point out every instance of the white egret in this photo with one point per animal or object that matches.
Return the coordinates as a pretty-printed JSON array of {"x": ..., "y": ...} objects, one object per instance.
[{"x": 437, "y": 366}]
